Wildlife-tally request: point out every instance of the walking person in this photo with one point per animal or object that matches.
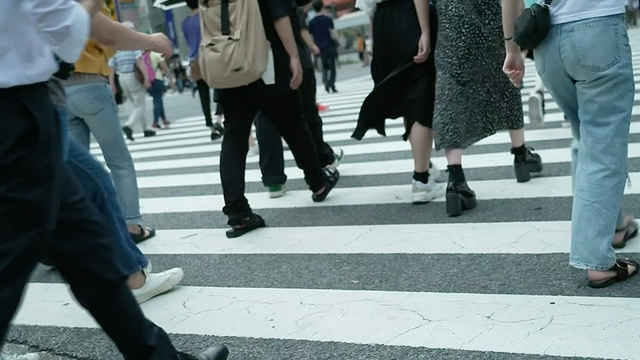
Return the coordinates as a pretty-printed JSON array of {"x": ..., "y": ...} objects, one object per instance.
[
  {"x": 91, "y": 109},
  {"x": 325, "y": 37},
  {"x": 404, "y": 73},
  {"x": 192, "y": 34},
  {"x": 473, "y": 98},
  {"x": 126, "y": 64},
  {"x": 160, "y": 69},
  {"x": 586, "y": 63},
  {"x": 42, "y": 206}
]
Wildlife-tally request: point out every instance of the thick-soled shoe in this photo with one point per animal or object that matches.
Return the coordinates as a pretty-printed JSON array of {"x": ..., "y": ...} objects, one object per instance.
[
  {"x": 526, "y": 164},
  {"x": 459, "y": 197}
]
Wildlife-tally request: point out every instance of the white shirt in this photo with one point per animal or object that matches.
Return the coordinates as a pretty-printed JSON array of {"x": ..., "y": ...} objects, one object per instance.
[
  {"x": 32, "y": 31},
  {"x": 564, "y": 11}
]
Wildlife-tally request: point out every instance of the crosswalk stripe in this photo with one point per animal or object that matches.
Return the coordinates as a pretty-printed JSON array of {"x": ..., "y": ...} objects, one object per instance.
[
  {"x": 503, "y": 323},
  {"x": 366, "y": 267}
]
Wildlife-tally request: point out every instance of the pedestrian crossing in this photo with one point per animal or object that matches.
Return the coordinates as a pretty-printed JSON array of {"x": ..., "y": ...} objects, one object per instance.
[{"x": 365, "y": 274}]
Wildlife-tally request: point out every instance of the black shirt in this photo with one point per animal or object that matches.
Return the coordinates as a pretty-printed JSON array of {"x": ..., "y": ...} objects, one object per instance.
[
  {"x": 303, "y": 48},
  {"x": 271, "y": 10}
]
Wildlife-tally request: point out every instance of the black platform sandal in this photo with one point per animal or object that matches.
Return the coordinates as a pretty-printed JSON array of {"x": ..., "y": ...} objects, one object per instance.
[{"x": 243, "y": 226}]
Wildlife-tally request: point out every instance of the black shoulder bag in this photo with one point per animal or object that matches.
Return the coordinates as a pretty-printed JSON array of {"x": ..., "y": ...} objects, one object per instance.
[{"x": 533, "y": 26}]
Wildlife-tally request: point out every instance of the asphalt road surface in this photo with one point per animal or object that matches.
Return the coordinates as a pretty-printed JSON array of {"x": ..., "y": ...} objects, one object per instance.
[{"x": 364, "y": 275}]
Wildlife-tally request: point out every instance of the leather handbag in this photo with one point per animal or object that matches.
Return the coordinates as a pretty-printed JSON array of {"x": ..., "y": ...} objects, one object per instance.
[{"x": 533, "y": 25}]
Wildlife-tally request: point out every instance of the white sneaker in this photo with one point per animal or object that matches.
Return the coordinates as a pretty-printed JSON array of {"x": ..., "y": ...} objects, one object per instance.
[
  {"x": 536, "y": 112},
  {"x": 423, "y": 193},
  {"x": 157, "y": 284}
]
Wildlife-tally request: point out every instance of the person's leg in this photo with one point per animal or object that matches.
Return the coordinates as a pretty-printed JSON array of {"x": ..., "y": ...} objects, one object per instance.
[
  {"x": 94, "y": 104},
  {"x": 156, "y": 91},
  {"x": 239, "y": 115},
  {"x": 205, "y": 100},
  {"x": 132, "y": 89},
  {"x": 285, "y": 111},
  {"x": 312, "y": 117},
  {"x": 29, "y": 177},
  {"x": 271, "y": 156},
  {"x": 599, "y": 109}
]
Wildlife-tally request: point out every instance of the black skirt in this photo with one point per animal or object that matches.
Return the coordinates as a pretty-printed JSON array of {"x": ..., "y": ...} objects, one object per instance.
[{"x": 396, "y": 32}]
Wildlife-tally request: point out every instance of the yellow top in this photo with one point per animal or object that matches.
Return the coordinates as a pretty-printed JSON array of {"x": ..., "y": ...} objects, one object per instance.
[{"x": 95, "y": 57}]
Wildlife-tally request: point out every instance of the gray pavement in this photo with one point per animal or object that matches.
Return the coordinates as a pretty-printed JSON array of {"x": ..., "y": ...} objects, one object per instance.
[{"x": 462, "y": 264}]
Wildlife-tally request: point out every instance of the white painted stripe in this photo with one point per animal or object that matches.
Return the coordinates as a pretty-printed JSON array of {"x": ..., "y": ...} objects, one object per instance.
[
  {"x": 367, "y": 148},
  {"x": 522, "y": 324},
  {"x": 550, "y": 237},
  {"x": 543, "y": 187},
  {"x": 404, "y": 166}
]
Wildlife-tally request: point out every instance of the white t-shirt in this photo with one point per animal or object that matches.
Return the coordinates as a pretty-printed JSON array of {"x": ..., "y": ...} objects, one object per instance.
[{"x": 564, "y": 11}]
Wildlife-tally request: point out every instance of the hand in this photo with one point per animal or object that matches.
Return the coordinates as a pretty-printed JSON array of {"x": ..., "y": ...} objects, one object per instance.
[
  {"x": 514, "y": 68},
  {"x": 172, "y": 83},
  {"x": 162, "y": 45},
  {"x": 92, "y": 6},
  {"x": 315, "y": 49},
  {"x": 424, "y": 49},
  {"x": 147, "y": 84},
  {"x": 114, "y": 90},
  {"x": 296, "y": 73}
]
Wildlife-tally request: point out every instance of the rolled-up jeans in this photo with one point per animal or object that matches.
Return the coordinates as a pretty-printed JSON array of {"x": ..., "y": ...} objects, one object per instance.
[
  {"x": 587, "y": 67},
  {"x": 98, "y": 188}
]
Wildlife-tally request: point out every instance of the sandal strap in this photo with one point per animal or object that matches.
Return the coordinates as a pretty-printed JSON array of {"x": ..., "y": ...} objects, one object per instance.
[{"x": 622, "y": 268}]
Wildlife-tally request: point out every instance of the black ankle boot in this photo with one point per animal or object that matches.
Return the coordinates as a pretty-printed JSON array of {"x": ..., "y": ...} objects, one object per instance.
[
  {"x": 525, "y": 162},
  {"x": 459, "y": 196}
]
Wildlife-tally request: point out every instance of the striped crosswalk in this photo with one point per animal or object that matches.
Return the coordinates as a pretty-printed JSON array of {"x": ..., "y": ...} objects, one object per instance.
[{"x": 365, "y": 275}]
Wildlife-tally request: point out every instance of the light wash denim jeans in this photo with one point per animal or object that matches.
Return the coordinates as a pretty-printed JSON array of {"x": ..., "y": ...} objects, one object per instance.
[
  {"x": 91, "y": 109},
  {"x": 587, "y": 67},
  {"x": 98, "y": 188}
]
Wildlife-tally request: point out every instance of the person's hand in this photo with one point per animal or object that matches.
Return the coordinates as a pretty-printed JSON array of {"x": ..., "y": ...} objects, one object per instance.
[
  {"x": 296, "y": 73},
  {"x": 147, "y": 84},
  {"x": 162, "y": 45},
  {"x": 114, "y": 90},
  {"x": 92, "y": 6},
  {"x": 315, "y": 49},
  {"x": 424, "y": 49},
  {"x": 514, "y": 68},
  {"x": 172, "y": 83}
]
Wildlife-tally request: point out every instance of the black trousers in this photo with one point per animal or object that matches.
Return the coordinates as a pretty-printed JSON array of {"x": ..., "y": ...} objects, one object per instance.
[
  {"x": 285, "y": 111},
  {"x": 43, "y": 210},
  {"x": 271, "y": 151},
  {"x": 204, "y": 92}
]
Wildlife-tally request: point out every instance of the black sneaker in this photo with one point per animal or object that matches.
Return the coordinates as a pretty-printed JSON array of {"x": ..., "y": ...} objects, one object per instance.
[
  {"x": 213, "y": 353},
  {"x": 526, "y": 164},
  {"x": 332, "y": 176}
]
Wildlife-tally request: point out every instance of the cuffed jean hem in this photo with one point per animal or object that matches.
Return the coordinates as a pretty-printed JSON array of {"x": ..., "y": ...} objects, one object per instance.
[{"x": 583, "y": 266}]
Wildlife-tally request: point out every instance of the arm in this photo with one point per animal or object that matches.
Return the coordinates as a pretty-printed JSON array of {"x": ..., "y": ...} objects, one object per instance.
[
  {"x": 118, "y": 36},
  {"x": 285, "y": 33},
  {"x": 422, "y": 8},
  {"x": 511, "y": 9},
  {"x": 63, "y": 25}
]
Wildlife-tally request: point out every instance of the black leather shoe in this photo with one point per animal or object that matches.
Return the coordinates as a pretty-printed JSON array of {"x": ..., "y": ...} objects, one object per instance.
[
  {"x": 219, "y": 352},
  {"x": 526, "y": 164},
  {"x": 459, "y": 197}
]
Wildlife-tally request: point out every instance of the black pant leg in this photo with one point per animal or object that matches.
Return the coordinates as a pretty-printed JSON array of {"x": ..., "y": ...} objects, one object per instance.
[
  {"x": 205, "y": 100},
  {"x": 285, "y": 111},
  {"x": 271, "y": 152},
  {"x": 43, "y": 209},
  {"x": 313, "y": 119},
  {"x": 238, "y": 118}
]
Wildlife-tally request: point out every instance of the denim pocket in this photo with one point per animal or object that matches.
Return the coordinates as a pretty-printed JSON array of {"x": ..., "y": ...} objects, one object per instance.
[{"x": 596, "y": 45}]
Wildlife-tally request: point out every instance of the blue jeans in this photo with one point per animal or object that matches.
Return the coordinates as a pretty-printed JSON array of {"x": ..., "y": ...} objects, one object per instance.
[
  {"x": 91, "y": 108},
  {"x": 98, "y": 188},
  {"x": 157, "y": 91},
  {"x": 587, "y": 67}
]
